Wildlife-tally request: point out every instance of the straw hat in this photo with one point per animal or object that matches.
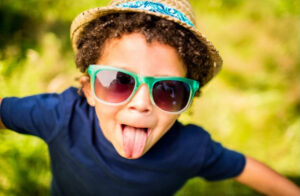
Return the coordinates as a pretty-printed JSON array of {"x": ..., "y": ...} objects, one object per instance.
[{"x": 179, "y": 11}]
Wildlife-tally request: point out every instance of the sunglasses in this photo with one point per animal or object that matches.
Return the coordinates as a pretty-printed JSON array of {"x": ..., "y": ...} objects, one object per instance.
[{"x": 116, "y": 86}]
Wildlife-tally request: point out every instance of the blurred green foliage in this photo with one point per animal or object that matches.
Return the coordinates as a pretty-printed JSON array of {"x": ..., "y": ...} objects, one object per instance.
[{"x": 252, "y": 106}]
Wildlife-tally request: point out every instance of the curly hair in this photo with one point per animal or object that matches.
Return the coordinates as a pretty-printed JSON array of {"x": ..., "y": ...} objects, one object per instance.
[{"x": 193, "y": 53}]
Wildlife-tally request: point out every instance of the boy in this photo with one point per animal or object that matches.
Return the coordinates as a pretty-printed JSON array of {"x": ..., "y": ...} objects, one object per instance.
[{"x": 145, "y": 61}]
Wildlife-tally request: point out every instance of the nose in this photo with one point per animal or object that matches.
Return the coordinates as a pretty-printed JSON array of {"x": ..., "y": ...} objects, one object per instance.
[{"x": 141, "y": 101}]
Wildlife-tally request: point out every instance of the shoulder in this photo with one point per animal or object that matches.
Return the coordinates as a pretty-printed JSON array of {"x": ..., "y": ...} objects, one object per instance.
[
  {"x": 63, "y": 103},
  {"x": 74, "y": 103},
  {"x": 193, "y": 135},
  {"x": 70, "y": 94},
  {"x": 185, "y": 136},
  {"x": 187, "y": 144},
  {"x": 69, "y": 98},
  {"x": 71, "y": 110}
]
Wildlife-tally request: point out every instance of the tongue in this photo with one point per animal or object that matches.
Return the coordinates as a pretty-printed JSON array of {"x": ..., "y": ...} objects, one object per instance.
[{"x": 134, "y": 140}]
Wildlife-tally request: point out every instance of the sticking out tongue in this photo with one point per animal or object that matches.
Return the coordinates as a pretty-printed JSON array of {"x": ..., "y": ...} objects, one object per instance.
[{"x": 134, "y": 140}]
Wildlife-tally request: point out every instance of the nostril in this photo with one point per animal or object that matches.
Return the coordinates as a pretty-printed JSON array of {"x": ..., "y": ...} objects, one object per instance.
[{"x": 140, "y": 109}]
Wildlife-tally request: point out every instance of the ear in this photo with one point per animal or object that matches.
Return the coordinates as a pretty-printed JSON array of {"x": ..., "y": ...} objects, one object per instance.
[{"x": 87, "y": 91}]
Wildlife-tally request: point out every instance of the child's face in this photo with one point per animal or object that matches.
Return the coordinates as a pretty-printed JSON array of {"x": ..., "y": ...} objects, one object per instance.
[{"x": 120, "y": 123}]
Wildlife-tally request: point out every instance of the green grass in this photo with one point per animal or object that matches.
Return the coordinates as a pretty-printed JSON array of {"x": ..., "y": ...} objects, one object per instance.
[{"x": 252, "y": 106}]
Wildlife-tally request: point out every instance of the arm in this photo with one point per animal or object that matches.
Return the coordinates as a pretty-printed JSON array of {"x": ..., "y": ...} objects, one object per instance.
[
  {"x": 1, "y": 124},
  {"x": 265, "y": 180}
]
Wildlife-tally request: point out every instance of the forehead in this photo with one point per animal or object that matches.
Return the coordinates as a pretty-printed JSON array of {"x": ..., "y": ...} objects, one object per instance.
[{"x": 134, "y": 53}]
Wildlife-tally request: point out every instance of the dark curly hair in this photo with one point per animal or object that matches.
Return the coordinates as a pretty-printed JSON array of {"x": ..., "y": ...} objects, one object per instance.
[{"x": 193, "y": 53}]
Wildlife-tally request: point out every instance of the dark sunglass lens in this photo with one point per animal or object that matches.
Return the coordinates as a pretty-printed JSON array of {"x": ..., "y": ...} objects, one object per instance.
[
  {"x": 171, "y": 95},
  {"x": 113, "y": 86}
]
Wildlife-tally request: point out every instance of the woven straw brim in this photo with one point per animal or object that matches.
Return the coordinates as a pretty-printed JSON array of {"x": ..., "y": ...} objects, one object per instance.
[{"x": 87, "y": 16}]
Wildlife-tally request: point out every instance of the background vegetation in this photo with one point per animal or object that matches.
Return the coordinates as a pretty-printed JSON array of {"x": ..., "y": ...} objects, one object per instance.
[{"x": 252, "y": 106}]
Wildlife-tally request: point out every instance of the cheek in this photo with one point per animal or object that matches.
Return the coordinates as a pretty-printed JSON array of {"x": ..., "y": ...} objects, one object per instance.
[
  {"x": 168, "y": 119},
  {"x": 107, "y": 118},
  {"x": 105, "y": 112},
  {"x": 165, "y": 123}
]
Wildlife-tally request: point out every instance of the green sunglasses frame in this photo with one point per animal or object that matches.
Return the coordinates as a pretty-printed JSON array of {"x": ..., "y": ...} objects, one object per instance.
[{"x": 139, "y": 79}]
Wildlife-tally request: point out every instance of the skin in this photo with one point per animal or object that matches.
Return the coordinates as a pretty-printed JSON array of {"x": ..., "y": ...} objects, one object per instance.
[
  {"x": 146, "y": 59},
  {"x": 265, "y": 180},
  {"x": 139, "y": 111}
]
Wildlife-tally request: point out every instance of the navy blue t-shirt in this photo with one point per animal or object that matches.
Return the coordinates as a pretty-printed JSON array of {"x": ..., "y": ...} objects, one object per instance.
[{"x": 83, "y": 162}]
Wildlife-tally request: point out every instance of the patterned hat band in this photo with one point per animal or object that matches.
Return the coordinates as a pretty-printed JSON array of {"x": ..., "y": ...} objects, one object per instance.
[{"x": 157, "y": 8}]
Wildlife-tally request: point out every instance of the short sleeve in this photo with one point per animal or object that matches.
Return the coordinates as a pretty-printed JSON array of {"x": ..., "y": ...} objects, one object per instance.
[
  {"x": 221, "y": 163},
  {"x": 40, "y": 115}
]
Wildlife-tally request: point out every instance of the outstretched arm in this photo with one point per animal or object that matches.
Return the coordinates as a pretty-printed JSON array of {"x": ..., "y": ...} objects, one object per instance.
[
  {"x": 1, "y": 124},
  {"x": 265, "y": 180}
]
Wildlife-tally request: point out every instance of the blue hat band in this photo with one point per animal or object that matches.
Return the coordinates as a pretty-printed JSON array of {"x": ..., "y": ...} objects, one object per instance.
[{"x": 157, "y": 8}]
